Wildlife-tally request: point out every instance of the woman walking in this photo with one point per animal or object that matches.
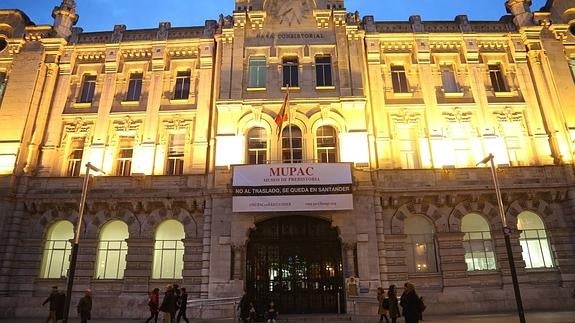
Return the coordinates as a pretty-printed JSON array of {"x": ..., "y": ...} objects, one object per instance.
[
  {"x": 383, "y": 305},
  {"x": 410, "y": 304},
  {"x": 154, "y": 305},
  {"x": 393, "y": 309}
]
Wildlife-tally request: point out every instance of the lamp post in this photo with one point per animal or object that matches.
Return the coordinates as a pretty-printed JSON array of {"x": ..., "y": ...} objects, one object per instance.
[
  {"x": 74, "y": 254},
  {"x": 506, "y": 233}
]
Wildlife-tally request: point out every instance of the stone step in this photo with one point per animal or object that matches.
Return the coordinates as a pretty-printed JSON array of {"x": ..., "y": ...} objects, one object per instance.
[{"x": 315, "y": 318}]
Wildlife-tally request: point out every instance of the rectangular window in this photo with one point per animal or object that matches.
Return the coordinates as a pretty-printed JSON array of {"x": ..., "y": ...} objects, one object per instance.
[
  {"x": 168, "y": 259},
  {"x": 134, "y": 87},
  {"x": 421, "y": 254},
  {"x": 326, "y": 144},
  {"x": 175, "y": 164},
  {"x": 290, "y": 71},
  {"x": 125, "y": 152},
  {"x": 182, "y": 87},
  {"x": 479, "y": 252},
  {"x": 497, "y": 79},
  {"x": 2, "y": 84},
  {"x": 257, "y": 146},
  {"x": 399, "y": 79},
  {"x": 257, "y": 72},
  {"x": 88, "y": 89},
  {"x": 75, "y": 157},
  {"x": 56, "y": 259},
  {"x": 111, "y": 259},
  {"x": 448, "y": 79},
  {"x": 536, "y": 248},
  {"x": 323, "y": 70}
]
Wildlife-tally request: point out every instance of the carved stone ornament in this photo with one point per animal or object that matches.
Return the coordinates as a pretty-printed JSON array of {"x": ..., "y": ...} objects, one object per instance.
[
  {"x": 127, "y": 124},
  {"x": 290, "y": 12}
]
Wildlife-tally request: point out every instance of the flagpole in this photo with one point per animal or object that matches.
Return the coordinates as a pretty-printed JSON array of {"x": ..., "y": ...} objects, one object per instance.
[{"x": 289, "y": 125}]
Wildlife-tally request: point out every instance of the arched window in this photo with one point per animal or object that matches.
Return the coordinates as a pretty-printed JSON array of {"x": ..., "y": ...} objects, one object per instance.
[
  {"x": 57, "y": 248},
  {"x": 326, "y": 144},
  {"x": 112, "y": 250},
  {"x": 420, "y": 245},
  {"x": 533, "y": 240},
  {"x": 257, "y": 146},
  {"x": 292, "y": 144},
  {"x": 479, "y": 254},
  {"x": 169, "y": 250}
]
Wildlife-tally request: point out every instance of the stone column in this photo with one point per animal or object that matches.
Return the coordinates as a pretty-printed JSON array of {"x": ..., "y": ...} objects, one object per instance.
[
  {"x": 138, "y": 264},
  {"x": 238, "y": 261},
  {"x": 349, "y": 259},
  {"x": 452, "y": 258}
]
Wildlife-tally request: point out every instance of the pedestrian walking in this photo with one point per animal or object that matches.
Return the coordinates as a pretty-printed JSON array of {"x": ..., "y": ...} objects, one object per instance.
[
  {"x": 272, "y": 312},
  {"x": 154, "y": 305},
  {"x": 244, "y": 307},
  {"x": 183, "y": 305},
  {"x": 168, "y": 306},
  {"x": 85, "y": 307},
  {"x": 393, "y": 308},
  {"x": 52, "y": 301},
  {"x": 410, "y": 304},
  {"x": 383, "y": 305}
]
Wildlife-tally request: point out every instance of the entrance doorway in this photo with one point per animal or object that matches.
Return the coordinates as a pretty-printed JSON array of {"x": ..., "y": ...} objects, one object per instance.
[{"x": 296, "y": 262}]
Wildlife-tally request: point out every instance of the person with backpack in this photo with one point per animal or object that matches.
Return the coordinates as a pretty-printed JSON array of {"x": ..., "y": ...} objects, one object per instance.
[
  {"x": 154, "y": 305},
  {"x": 410, "y": 304}
]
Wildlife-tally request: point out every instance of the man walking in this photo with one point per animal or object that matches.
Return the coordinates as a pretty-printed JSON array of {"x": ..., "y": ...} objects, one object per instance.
[
  {"x": 85, "y": 307},
  {"x": 53, "y": 303},
  {"x": 183, "y": 305}
]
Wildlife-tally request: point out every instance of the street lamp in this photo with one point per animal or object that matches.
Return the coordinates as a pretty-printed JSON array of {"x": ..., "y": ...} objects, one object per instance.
[
  {"x": 506, "y": 233},
  {"x": 74, "y": 255}
]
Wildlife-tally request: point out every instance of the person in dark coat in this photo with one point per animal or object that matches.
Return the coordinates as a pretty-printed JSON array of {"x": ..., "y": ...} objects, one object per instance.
[
  {"x": 85, "y": 307},
  {"x": 154, "y": 305},
  {"x": 393, "y": 306},
  {"x": 183, "y": 305},
  {"x": 52, "y": 299},
  {"x": 244, "y": 307},
  {"x": 60, "y": 305},
  {"x": 410, "y": 304},
  {"x": 168, "y": 305}
]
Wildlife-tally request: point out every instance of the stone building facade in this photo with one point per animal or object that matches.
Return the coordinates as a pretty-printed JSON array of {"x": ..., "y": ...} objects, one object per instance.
[{"x": 169, "y": 114}]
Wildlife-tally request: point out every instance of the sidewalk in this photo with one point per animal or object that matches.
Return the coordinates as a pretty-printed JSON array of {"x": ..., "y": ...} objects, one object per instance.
[{"x": 531, "y": 317}]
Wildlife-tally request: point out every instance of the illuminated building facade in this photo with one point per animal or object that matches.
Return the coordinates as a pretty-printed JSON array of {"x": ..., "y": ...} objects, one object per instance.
[{"x": 170, "y": 114}]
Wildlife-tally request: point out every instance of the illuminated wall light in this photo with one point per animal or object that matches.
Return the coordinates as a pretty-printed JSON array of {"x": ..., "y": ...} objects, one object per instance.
[
  {"x": 143, "y": 160},
  {"x": 354, "y": 147},
  {"x": 229, "y": 150},
  {"x": 7, "y": 163}
]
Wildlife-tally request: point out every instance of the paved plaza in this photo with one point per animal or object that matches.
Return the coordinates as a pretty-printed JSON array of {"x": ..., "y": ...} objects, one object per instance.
[{"x": 531, "y": 317}]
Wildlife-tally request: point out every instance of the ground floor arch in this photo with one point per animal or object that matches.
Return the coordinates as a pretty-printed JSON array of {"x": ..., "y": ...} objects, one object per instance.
[{"x": 296, "y": 262}]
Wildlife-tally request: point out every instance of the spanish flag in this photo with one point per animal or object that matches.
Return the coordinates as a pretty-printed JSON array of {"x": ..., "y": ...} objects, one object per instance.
[{"x": 283, "y": 115}]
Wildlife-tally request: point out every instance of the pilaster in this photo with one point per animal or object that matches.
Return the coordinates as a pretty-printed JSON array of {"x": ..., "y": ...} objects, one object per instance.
[
  {"x": 452, "y": 259},
  {"x": 138, "y": 264},
  {"x": 192, "y": 273},
  {"x": 564, "y": 253},
  {"x": 394, "y": 245},
  {"x": 501, "y": 256}
]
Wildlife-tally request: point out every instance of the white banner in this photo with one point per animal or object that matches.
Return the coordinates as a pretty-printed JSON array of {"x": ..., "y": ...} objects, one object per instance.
[{"x": 292, "y": 187}]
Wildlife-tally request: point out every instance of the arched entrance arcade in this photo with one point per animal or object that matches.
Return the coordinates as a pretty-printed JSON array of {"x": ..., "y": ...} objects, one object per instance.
[{"x": 296, "y": 262}]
